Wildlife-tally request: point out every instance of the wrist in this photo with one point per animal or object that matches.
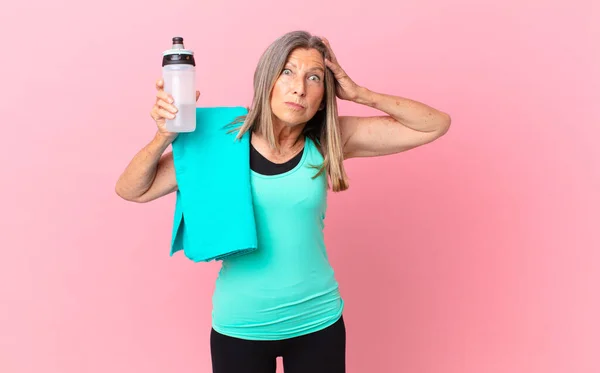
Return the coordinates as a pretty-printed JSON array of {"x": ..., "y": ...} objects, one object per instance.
[
  {"x": 364, "y": 97},
  {"x": 164, "y": 139}
]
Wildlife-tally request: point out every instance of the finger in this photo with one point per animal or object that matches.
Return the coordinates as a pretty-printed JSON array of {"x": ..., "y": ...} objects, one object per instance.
[
  {"x": 164, "y": 114},
  {"x": 160, "y": 84},
  {"x": 165, "y": 105},
  {"x": 338, "y": 73},
  {"x": 153, "y": 114},
  {"x": 335, "y": 68},
  {"x": 197, "y": 95},
  {"x": 162, "y": 95},
  {"x": 329, "y": 49}
]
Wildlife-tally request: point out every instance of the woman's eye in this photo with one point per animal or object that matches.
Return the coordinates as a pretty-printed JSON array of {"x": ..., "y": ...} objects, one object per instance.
[{"x": 315, "y": 78}]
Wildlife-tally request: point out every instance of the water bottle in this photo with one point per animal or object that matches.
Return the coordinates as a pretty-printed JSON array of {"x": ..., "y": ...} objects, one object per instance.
[{"x": 179, "y": 75}]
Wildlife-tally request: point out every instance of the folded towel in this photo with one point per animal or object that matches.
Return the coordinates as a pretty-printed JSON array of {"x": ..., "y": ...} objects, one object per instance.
[{"x": 214, "y": 216}]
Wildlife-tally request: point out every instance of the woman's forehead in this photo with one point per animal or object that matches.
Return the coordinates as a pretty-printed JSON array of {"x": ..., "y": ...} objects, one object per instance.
[{"x": 311, "y": 57}]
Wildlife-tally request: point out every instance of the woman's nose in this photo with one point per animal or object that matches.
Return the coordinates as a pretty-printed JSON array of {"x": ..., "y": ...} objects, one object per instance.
[{"x": 299, "y": 87}]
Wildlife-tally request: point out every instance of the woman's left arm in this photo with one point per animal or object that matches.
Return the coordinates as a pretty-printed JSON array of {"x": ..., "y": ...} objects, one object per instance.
[{"x": 408, "y": 124}]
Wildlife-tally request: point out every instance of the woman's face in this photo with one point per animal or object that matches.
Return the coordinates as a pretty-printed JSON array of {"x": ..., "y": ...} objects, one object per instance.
[{"x": 299, "y": 90}]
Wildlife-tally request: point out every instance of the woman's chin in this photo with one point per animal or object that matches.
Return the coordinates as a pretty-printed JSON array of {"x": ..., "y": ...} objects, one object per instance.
[{"x": 291, "y": 119}]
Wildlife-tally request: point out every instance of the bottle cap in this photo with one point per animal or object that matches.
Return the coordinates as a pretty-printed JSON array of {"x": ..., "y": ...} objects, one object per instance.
[{"x": 178, "y": 55}]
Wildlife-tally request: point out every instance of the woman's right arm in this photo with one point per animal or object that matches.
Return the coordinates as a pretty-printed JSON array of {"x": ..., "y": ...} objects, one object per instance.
[{"x": 150, "y": 174}]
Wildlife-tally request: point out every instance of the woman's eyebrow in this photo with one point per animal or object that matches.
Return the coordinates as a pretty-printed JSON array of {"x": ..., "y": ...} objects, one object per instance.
[{"x": 319, "y": 68}]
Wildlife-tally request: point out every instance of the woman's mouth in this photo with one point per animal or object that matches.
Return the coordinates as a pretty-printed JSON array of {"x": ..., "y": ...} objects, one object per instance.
[{"x": 294, "y": 105}]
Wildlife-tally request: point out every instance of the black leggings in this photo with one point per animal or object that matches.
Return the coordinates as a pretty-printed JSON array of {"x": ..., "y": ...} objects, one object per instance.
[{"x": 319, "y": 352}]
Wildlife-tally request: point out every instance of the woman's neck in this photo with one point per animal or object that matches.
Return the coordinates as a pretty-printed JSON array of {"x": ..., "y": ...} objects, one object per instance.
[
  {"x": 287, "y": 136},
  {"x": 289, "y": 141}
]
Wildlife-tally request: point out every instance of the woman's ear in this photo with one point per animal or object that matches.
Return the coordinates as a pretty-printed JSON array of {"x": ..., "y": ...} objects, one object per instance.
[{"x": 322, "y": 106}]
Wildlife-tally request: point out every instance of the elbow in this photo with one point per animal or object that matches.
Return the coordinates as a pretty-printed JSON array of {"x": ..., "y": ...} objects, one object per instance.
[
  {"x": 127, "y": 197},
  {"x": 119, "y": 192},
  {"x": 445, "y": 122}
]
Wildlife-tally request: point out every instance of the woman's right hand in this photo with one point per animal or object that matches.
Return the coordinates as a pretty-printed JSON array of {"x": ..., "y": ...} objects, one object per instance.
[{"x": 164, "y": 109}]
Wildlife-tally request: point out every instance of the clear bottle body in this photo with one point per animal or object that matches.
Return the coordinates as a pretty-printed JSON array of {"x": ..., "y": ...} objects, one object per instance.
[{"x": 180, "y": 83}]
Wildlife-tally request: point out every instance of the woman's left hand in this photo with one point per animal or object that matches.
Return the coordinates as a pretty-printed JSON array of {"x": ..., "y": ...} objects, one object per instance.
[{"x": 345, "y": 88}]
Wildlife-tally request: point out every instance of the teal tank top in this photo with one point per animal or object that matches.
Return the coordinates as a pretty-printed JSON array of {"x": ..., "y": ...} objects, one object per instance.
[{"x": 285, "y": 288}]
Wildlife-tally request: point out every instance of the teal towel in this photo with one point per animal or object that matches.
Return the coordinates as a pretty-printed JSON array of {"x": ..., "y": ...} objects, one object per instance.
[{"x": 214, "y": 215}]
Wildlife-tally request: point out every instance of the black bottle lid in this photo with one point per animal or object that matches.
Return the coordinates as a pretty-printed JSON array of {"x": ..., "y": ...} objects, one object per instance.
[{"x": 178, "y": 55}]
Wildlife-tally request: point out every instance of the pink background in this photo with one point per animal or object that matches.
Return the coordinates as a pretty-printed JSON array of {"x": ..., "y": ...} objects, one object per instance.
[{"x": 473, "y": 254}]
